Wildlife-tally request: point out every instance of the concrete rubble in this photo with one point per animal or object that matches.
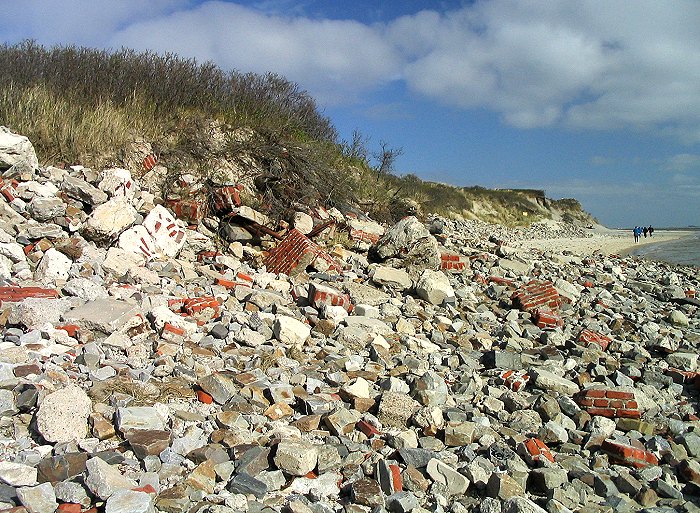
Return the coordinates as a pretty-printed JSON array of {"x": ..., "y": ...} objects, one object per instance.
[{"x": 148, "y": 366}]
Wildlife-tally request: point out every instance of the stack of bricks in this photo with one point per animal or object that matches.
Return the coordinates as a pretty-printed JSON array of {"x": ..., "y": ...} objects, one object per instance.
[
  {"x": 17, "y": 294},
  {"x": 225, "y": 198},
  {"x": 535, "y": 295},
  {"x": 608, "y": 403},
  {"x": 453, "y": 262},
  {"x": 320, "y": 294},
  {"x": 629, "y": 455},
  {"x": 535, "y": 451},
  {"x": 295, "y": 253},
  {"x": 588, "y": 337}
]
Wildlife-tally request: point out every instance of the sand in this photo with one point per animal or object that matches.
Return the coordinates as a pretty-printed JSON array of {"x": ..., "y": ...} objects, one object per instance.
[{"x": 603, "y": 241}]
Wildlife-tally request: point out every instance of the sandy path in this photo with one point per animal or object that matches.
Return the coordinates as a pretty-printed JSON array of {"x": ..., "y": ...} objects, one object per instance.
[{"x": 611, "y": 242}]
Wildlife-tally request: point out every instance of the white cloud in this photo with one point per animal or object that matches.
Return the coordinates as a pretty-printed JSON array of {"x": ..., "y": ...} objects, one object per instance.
[
  {"x": 335, "y": 60},
  {"x": 585, "y": 64},
  {"x": 682, "y": 162}
]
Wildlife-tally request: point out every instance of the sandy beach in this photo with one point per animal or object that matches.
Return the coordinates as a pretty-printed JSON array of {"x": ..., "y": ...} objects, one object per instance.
[{"x": 604, "y": 241}]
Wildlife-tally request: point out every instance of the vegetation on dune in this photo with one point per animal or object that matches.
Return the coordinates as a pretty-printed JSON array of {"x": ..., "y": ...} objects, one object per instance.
[{"x": 81, "y": 105}]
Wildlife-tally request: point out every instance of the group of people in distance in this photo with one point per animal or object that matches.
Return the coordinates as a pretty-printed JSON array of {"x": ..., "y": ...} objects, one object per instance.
[{"x": 639, "y": 230}]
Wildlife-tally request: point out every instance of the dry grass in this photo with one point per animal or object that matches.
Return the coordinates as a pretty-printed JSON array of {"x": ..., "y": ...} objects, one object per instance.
[
  {"x": 144, "y": 394},
  {"x": 80, "y": 105}
]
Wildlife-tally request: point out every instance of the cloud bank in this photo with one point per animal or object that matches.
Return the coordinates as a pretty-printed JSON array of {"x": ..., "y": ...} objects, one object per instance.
[{"x": 630, "y": 64}]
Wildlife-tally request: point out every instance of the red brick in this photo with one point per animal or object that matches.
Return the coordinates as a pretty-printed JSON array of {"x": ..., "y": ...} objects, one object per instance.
[
  {"x": 397, "y": 482},
  {"x": 515, "y": 380},
  {"x": 367, "y": 428},
  {"x": 602, "y": 403},
  {"x": 203, "y": 397},
  {"x": 322, "y": 294},
  {"x": 145, "y": 489},
  {"x": 193, "y": 306},
  {"x": 614, "y": 394},
  {"x": 71, "y": 329},
  {"x": 547, "y": 319},
  {"x": 628, "y": 455},
  {"x": 500, "y": 280},
  {"x": 362, "y": 236},
  {"x": 17, "y": 294},
  {"x": 602, "y": 412},
  {"x": 170, "y": 328},
  {"x": 631, "y": 414},
  {"x": 150, "y": 162},
  {"x": 595, "y": 393},
  {"x": 453, "y": 262},
  {"x": 536, "y": 450},
  {"x": 68, "y": 507},
  {"x": 588, "y": 337}
]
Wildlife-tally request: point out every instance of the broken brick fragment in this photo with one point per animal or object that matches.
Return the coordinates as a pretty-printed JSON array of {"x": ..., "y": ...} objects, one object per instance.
[
  {"x": 295, "y": 253},
  {"x": 588, "y": 337},
  {"x": 545, "y": 318},
  {"x": 624, "y": 454},
  {"x": 17, "y": 294}
]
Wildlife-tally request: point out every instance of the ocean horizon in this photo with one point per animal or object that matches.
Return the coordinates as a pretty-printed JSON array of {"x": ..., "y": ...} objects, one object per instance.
[{"x": 684, "y": 251}]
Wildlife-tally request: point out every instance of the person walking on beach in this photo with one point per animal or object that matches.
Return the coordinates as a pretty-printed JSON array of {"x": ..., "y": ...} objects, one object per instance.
[
  {"x": 644, "y": 230},
  {"x": 651, "y": 230},
  {"x": 636, "y": 233}
]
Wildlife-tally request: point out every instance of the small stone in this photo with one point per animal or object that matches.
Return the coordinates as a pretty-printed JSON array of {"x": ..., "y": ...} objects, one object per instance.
[
  {"x": 104, "y": 479},
  {"x": 434, "y": 287},
  {"x": 245, "y": 484},
  {"x": 503, "y": 486},
  {"x": 402, "y": 502},
  {"x": 139, "y": 418},
  {"x": 367, "y": 492},
  {"x": 148, "y": 442},
  {"x": 38, "y": 499},
  {"x": 17, "y": 474},
  {"x": 395, "y": 409},
  {"x": 62, "y": 415},
  {"x": 455, "y": 482},
  {"x": 295, "y": 456},
  {"x": 289, "y": 330},
  {"x": 129, "y": 501}
]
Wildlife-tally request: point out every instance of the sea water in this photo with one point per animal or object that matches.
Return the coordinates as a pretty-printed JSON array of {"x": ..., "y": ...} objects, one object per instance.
[{"x": 685, "y": 251}]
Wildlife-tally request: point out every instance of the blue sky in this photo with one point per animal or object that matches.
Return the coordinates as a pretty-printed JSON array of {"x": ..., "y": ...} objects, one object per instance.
[{"x": 594, "y": 100}]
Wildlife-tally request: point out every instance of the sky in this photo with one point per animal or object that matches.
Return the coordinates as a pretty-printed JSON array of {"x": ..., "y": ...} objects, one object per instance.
[{"x": 598, "y": 100}]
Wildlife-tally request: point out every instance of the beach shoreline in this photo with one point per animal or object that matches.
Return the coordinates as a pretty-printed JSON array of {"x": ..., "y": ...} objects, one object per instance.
[{"x": 602, "y": 241}]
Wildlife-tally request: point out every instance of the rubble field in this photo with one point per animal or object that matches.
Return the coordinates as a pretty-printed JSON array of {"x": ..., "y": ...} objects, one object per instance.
[{"x": 185, "y": 354}]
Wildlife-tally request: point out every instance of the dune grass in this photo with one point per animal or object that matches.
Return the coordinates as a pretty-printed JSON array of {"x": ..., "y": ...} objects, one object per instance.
[{"x": 85, "y": 106}]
